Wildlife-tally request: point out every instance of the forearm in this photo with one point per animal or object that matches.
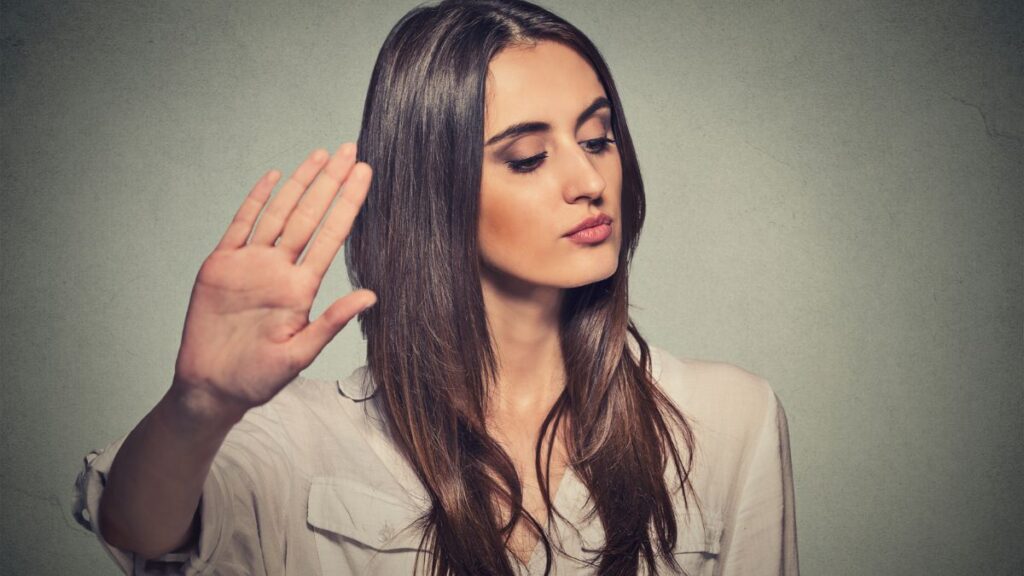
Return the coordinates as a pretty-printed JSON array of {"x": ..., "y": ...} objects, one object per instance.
[{"x": 156, "y": 479}]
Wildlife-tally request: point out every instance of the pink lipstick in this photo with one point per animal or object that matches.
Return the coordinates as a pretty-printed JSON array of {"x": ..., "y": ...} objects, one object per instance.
[{"x": 593, "y": 230}]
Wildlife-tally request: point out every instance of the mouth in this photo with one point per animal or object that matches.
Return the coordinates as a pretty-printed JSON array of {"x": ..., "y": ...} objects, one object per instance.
[
  {"x": 599, "y": 220},
  {"x": 592, "y": 234}
]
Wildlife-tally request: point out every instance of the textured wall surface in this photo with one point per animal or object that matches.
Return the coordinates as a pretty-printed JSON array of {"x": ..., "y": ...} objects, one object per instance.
[{"x": 837, "y": 204}]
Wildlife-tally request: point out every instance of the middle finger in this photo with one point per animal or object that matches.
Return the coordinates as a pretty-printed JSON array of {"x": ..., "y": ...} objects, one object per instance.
[
  {"x": 339, "y": 221},
  {"x": 311, "y": 208}
]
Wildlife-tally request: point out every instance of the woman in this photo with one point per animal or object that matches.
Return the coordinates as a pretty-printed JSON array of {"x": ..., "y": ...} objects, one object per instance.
[{"x": 510, "y": 417}]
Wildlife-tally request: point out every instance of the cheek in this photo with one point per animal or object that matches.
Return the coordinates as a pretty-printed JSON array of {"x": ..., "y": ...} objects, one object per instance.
[
  {"x": 504, "y": 220},
  {"x": 613, "y": 174},
  {"x": 515, "y": 221}
]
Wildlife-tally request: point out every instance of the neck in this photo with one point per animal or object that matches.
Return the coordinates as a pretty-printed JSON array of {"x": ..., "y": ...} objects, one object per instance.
[{"x": 524, "y": 329}]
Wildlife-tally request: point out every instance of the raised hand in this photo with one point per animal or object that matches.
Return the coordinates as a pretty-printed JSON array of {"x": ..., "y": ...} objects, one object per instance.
[{"x": 247, "y": 331}]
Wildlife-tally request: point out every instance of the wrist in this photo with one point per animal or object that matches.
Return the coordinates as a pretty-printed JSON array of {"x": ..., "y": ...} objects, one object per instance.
[{"x": 199, "y": 410}]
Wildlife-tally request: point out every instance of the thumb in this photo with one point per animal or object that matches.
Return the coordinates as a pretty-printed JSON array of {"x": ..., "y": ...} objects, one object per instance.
[{"x": 307, "y": 344}]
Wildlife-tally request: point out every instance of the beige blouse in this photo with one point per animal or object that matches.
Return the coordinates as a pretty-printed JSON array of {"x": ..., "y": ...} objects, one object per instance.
[{"x": 309, "y": 484}]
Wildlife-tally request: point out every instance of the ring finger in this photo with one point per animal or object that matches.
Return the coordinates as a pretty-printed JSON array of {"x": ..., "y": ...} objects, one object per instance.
[{"x": 272, "y": 221}]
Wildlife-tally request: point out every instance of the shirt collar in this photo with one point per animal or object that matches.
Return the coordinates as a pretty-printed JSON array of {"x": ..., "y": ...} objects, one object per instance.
[{"x": 358, "y": 386}]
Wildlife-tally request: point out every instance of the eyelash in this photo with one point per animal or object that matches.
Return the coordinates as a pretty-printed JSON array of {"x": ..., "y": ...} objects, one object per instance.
[{"x": 530, "y": 164}]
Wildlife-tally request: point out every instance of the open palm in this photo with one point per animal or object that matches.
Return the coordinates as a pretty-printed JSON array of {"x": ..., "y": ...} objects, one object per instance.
[{"x": 247, "y": 331}]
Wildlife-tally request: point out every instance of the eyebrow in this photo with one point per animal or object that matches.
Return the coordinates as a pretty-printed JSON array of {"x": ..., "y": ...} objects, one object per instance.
[{"x": 530, "y": 127}]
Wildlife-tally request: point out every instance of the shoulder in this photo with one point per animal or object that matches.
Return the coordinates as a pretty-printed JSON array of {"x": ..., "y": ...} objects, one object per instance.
[
  {"x": 308, "y": 396},
  {"x": 300, "y": 401},
  {"x": 283, "y": 426},
  {"x": 696, "y": 379},
  {"x": 738, "y": 423},
  {"x": 306, "y": 420},
  {"x": 716, "y": 393},
  {"x": 337, "y": 433},
  {"x": 305, "y": 392}
]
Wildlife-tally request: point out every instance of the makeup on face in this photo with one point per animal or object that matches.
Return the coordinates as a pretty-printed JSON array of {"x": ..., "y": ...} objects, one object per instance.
[
  {"x": 521, "y": 145},
  {"x": 551, "y": 166}
]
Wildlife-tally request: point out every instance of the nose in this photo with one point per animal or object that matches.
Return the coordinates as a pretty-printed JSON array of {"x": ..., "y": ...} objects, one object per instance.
[{"x": 581, "y": 177}]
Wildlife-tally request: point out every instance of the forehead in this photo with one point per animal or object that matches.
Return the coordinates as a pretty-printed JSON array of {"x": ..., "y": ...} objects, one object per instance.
[{"x": 545, "y": 82}]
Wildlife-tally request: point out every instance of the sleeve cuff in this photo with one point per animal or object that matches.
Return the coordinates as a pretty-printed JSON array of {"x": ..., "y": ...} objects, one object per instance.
[{"x": 194, "y": 560}]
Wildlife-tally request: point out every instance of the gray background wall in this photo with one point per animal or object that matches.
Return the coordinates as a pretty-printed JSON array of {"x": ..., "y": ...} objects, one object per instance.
[{"x": 836, "y": 204}]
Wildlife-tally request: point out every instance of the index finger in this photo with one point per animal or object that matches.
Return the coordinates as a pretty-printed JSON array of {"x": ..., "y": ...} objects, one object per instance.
[{"x": 339, "y": 220}]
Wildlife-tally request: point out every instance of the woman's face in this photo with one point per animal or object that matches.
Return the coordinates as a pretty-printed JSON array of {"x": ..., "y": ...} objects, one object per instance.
[{"x": 556, "y": 170}]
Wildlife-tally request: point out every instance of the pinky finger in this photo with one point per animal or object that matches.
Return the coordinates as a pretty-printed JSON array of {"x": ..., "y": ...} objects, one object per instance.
[{"x": 241, "y": 225}]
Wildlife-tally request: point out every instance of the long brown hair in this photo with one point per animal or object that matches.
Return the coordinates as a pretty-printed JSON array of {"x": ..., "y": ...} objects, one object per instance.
[{"x": 429, "y": 350}]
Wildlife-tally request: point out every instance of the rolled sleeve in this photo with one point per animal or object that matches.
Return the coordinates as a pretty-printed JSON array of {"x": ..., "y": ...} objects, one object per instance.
[{"x": 250, "y": 467}]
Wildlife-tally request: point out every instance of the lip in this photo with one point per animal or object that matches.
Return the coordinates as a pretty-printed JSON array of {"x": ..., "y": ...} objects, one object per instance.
[
  {"x": 595, "y": 220},
  {"x": 592, "y": 235}
]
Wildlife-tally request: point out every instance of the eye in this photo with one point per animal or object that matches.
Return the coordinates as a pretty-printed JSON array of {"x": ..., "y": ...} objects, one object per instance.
[
  {"x": 594, "y": 146},
  {"x": 527, "y": 164},
  {"x": 597, "y": 145}
]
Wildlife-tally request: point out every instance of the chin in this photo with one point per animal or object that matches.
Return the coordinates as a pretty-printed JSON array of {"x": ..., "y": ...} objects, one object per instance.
[
  {"x": 571, "y": 272},
  {"x": 591, "y": 274}
]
